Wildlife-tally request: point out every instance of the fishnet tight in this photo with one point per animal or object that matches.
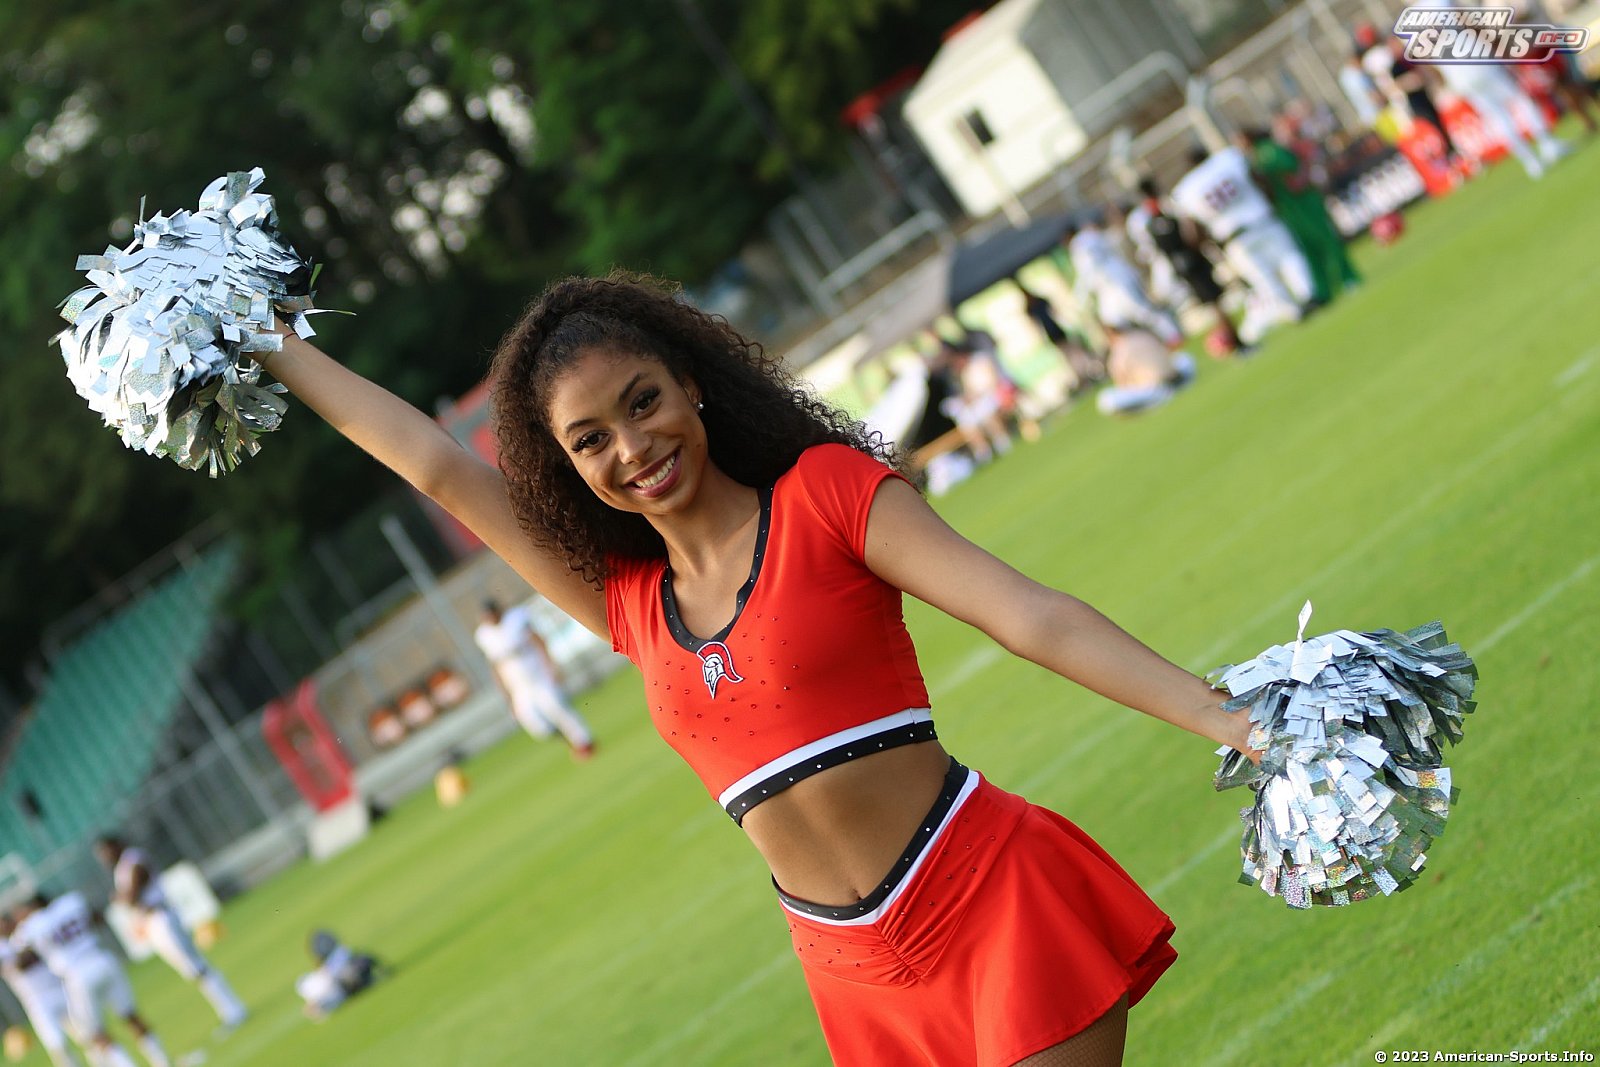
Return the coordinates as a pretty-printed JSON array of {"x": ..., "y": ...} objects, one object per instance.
[{"x": 1099, "y": 1046}]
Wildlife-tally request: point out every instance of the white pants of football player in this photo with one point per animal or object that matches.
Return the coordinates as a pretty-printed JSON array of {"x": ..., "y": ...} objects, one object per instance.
[
  {"x": 96, "y": 983},
  {"x": 1502, "y": 105},
  {"x": 49, "y": 1017},
  {"x": 169, "y": 939},
  {"x": 1273, "y": 266},
  {"x": 538, "y": 704},
  {"x": 1166, "y": 288},
  {"x": 1123, "y": 307}
]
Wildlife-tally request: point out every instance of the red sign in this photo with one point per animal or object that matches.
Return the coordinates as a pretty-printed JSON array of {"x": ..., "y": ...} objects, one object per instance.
[{"x": 306, "y": 746}]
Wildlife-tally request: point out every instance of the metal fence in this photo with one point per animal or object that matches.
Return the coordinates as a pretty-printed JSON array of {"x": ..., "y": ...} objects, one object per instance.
[{"x": 403, "y": 604}]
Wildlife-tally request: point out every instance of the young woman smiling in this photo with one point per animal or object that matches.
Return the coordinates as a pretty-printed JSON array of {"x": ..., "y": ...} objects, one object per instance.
[{"x": 747, "y": 546}]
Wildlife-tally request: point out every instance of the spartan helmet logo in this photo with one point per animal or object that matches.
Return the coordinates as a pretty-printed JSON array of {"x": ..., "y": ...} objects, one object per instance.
[{"x": 716, "y": 663}]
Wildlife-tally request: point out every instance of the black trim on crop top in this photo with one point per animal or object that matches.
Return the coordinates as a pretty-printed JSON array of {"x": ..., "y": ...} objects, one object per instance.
[
  {"x": 955, "y": 777},
  {"x": 844, "y": 752},
  {"x": 669, "y": 602}
]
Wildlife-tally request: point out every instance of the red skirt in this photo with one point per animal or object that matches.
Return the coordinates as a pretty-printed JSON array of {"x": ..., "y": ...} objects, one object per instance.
[{"x": 1009, "y": 932}]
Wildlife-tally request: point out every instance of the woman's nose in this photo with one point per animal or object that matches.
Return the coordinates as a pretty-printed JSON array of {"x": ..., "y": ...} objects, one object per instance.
[{"x": 632, "y": 444}]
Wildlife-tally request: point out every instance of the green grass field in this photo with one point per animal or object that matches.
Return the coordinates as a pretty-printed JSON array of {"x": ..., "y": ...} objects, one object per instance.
[{"x": 1427, "y": 447}]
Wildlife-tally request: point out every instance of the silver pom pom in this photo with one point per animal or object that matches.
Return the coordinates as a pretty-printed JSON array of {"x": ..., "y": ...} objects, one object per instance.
[
  {"x": 163, "y": 338},
  {"x": 1351, "y": 790}
]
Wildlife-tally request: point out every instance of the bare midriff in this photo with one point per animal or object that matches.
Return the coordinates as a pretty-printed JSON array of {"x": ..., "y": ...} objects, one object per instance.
[{"x": 831, "y": 838}]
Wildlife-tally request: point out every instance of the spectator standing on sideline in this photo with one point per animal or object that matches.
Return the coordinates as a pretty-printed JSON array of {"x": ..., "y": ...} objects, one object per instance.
[
  {"x": 1298, "y": 202},
  {"x": 1014, "y": 400},
  {"x": 979, "y": 403},
  {"x": 1166, "y": 239},
  {"x": 1220, "y": 196},
  {"x": 1073, "y": 346},
  {"x": 1359, "y": 89},
  {"x": 1501, "y": 105},
  {"x": 1415, "y": 85},
  {"x": 529, "y": 677},
  {"x": 1577, "y": 93}
]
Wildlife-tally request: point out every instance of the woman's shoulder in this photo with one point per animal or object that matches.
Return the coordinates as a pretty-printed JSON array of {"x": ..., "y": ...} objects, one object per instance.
[
  {"x": 833, "y": 460},
  {"x": 630, "y": 583},
  {"x": 838, "y": 483},
  {"x": 624, "y": 571}
]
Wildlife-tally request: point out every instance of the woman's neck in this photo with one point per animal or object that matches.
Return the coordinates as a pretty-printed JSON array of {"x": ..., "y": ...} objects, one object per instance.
[{"x": 697, "y": 537}]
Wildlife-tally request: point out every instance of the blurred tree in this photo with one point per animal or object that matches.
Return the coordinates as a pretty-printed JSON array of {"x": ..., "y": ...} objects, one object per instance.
[
  {"x": 810, "y": 60},
  {"x": 655, "y": 156},
  {"x": 443, "y": 159},
  {"x": 387, "y": 163}
]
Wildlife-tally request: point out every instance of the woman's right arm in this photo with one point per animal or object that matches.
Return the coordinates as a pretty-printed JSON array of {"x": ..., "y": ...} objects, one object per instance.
[{"x": 422, "y": 452}]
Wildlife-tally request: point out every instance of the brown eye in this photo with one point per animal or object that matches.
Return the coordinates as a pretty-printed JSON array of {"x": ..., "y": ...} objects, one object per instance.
[{"x": 644, "y": 400}]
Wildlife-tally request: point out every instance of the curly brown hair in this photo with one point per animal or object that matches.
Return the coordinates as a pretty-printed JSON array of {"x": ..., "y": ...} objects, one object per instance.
[{"x": 758, "y": 418}]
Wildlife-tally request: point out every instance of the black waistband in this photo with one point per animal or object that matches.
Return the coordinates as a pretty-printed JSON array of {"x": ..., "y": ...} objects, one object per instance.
[
  {"x": 954, "y": 779},
  {"x": 844, "y": 752}
]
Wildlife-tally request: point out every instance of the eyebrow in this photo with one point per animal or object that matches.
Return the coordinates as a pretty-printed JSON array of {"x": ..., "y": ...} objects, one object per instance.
[{"x": 621, "y": 398}]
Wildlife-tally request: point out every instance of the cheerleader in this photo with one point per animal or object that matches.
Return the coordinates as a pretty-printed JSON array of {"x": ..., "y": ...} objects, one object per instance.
[{"x": 747, "y": 547}]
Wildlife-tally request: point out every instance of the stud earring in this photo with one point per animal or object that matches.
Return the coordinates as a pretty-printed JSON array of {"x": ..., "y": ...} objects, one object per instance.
[{"x": 699, "y": 405}]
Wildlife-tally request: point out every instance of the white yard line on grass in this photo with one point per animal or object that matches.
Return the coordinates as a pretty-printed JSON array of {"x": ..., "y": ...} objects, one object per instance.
[
  {"x": 623, "y": 960},
  {"x": 257, "y": 1032},
  {"x": 1176, "y": 875},
  {"x": 1493, "y": 948},
  {"x": 1396, "y": 1027},
  {"x": 1579, "y": 368},
  {"x": 1539, "y": 604},
  {"x": 1054, "y": 767},
  {"x": 1283, "y": 608},
  {"x": 1584, "y": 999},
  {"x": 973, "y": 663},
  {"x": 655, "y": 1054},
  {"x": 987, "y": 655},
  {"x": 1484, "y": 954},
  {"x": 1245, "y": 1039},
  {"x": 1113, "y": 724}
]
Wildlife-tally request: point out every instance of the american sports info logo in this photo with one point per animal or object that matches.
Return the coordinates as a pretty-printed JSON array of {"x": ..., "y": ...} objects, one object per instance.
[{"x": 1482, "y": 35}]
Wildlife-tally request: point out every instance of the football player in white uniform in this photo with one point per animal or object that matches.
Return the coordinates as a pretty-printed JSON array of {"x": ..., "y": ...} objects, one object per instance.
[
  {"x": 135, "y": 883},
  {"x": 1220, "y": 195},
  {"x": 529, "y": 677},
  {"x": 1506, "y": 111},
  {"x": 42, "y": 996},
  {"x": 1172, "y": 250},
  {"x": 1119, "y": 298},
  {"x": 61, "y": 933}
]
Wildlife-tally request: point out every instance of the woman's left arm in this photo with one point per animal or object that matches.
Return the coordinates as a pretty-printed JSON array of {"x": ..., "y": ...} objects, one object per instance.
[{"x": 911, "y": 547}]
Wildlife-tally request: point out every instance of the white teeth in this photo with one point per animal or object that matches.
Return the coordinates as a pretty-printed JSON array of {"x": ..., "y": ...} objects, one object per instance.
[{"x": 659, "y": 476}]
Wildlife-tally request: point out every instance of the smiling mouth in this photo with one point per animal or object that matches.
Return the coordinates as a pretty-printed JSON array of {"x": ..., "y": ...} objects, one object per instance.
[{"x": 659, "y": 475}]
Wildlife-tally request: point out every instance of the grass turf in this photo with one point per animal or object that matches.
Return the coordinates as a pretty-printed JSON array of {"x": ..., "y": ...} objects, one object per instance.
[{"x": 1426, "y": 447}]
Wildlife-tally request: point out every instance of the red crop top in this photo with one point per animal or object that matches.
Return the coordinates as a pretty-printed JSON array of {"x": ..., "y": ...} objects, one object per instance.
[{"x": 816, "y": 667}]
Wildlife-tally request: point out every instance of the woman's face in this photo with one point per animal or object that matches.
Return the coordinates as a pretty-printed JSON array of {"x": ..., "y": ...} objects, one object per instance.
[{"x": 631, "y": 430}]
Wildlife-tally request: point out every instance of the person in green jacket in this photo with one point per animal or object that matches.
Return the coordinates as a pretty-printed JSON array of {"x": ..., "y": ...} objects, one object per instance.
[{"x": 1299, "y": 204}]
